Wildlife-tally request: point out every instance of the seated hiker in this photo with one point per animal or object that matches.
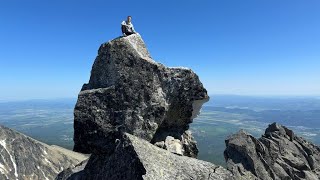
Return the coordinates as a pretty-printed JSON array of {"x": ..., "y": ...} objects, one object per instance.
[{"x": 127, "y": 27}]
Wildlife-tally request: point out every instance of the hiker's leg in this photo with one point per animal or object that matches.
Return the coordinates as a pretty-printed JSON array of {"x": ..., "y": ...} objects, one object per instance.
[{"x": 129, "y": 33}]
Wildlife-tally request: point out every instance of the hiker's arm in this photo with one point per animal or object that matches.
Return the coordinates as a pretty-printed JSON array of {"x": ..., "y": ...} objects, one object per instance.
[{"x": 123, "y": 28}]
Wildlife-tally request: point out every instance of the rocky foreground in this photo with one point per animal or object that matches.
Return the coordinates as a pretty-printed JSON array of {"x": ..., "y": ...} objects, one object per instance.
[
  {"x": 133, "y": 118},
  {"x": 135, "y": 158}
]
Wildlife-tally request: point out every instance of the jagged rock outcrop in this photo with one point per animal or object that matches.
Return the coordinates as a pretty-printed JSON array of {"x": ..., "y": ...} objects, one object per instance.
[
  {"x": 134, "y": 116},
  {"x": 130, "y": 92},
  {"x": 22, "y": 157},
  {"x": 137, "y": 159},
  {"x": 279, "y": 154}
]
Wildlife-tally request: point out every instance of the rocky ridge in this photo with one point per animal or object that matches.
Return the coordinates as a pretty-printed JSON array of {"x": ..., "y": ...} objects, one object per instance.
[
  {"x": 279, "y": 154},
  {"x": 25, "y": 158}
]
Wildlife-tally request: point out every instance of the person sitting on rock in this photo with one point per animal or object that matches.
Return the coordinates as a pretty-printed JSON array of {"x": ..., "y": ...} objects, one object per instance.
[{"x": 127, "y": 27}]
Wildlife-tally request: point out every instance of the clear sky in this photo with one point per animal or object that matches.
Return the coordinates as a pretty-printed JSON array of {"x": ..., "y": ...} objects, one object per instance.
[{"x": 249, "y": 47}]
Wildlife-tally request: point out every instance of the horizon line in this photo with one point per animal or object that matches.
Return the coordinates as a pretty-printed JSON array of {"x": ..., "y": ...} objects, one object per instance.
[{"x": 210, "y": 95}]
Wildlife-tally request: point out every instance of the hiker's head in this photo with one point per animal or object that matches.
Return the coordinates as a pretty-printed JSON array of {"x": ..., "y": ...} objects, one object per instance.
[{"x": 129, "y": 19}]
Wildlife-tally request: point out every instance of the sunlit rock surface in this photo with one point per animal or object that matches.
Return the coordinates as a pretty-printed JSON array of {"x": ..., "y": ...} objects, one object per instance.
[
  {"x": 130, "y": 92},
  {"x": 22, "y": 157},
  {"x": 137, "y": 159},
  {"x": 279, "y": 154}
]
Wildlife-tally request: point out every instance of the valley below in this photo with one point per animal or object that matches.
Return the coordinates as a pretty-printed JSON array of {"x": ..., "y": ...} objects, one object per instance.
[{"x": 51, "y": 121}]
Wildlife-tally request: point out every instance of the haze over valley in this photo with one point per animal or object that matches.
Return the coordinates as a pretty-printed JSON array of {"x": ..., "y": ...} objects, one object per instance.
[{"x": 51, "y": 121}]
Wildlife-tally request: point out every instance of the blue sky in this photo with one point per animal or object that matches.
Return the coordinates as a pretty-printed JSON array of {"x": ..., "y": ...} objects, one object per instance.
[{"x": 247, "y": 47}]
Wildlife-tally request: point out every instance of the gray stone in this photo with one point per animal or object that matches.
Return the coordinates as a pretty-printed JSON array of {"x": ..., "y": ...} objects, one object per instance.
[
  {"x": 130, "y": 92},
  {"x": 25, "y": 158},
  {"x": 173, "y": 145},
  {"x": 278, "y": 154},
  {"x": 135, "y": 158}
]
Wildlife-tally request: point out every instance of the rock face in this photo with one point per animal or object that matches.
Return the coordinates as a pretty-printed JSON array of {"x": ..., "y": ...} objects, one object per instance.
[
  {"x": 25, "y": 158},
  {"x": 130, "y": 92},
  {"x": 137, "y": 159},
  {"x": 134, "y": 116},
  {"x": 278, "y": 154}
]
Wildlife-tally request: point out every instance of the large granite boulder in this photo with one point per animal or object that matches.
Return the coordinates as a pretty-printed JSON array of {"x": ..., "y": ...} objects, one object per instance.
[
  {"x": 137, "y": 159},
  {"x": 130, "y": 92},
  {"x": 22, "y": 157},
  {"x": 279, "y": 154}
]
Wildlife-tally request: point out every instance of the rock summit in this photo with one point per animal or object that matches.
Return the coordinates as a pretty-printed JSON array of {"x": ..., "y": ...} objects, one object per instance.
[{"x": 130, "y": 92}]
